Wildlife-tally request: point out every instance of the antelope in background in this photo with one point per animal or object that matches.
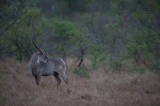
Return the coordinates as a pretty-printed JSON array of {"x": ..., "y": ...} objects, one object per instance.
[{"x": 41, "y": 65}]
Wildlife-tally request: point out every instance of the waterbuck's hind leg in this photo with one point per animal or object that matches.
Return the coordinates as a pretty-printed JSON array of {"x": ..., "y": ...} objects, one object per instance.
[
  {"x": 56, "y": 75},
  {"x": 64, "y": 77},
  {"x": 37, "y": 79}
]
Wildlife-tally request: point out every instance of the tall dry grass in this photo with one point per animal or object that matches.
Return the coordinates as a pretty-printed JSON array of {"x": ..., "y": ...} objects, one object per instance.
[{"x": 102, "y": 88}]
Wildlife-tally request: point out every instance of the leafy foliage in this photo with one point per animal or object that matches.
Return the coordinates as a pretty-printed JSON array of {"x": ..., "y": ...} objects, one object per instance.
[
  {"x": 66, "y": 28},
  {"x": 10, "y": 12},
  {"x": 20, "y": 34},
  {"x": 66, "y": 31},
  {"x": 143, "y": 43}
]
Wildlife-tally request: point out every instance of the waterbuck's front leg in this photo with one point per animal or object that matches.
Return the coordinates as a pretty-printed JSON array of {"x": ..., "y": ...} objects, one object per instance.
[{"x": 37, "y": 79}]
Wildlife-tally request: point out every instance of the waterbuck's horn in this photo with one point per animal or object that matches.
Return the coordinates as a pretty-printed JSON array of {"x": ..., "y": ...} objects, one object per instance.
[{"x": 36, "y": 45}]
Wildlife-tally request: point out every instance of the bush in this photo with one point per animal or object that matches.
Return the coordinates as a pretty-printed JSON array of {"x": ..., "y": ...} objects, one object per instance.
[
  {"x": 115, "y": 63},
  {"x": 18, "y": 36},
  {"x": 81, "y": 71},
  {"x": 137, "y": 68}
]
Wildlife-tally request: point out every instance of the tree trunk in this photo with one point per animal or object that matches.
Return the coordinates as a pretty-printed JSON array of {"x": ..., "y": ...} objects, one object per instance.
[{"x": 81, "y": 61}]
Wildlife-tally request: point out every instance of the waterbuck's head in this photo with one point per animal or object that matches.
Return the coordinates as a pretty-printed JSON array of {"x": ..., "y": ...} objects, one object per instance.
[{"x": 40, "y": 55}]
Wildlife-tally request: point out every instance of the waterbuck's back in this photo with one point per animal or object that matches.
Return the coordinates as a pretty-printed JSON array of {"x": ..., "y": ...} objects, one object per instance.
[{"x": 59, "y": 64}]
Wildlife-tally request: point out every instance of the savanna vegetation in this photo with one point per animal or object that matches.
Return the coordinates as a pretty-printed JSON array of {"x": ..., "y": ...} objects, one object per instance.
[{"x": 111, "y": 48}]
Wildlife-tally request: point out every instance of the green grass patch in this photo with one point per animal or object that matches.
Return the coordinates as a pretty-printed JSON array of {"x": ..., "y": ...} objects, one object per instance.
[
  {"x": 137, "y": 68},
  {"x": 81, "y": 71},
  {"x": 115, "y": 63}
]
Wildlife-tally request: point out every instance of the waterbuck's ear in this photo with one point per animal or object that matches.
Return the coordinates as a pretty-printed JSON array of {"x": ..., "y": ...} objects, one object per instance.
[{"x": 41, "y": 52}]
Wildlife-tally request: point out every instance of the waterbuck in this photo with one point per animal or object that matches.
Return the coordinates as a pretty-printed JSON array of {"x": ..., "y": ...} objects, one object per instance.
[{"x": 41, "y": 65}]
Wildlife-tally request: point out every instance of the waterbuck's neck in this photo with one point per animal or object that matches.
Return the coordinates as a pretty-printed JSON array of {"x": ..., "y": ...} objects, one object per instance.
[{"x": 38, "y": 61}]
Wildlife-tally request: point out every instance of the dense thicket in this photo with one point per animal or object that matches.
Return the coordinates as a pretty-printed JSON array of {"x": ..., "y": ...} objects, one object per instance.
[{"x": 105, "y": 31}]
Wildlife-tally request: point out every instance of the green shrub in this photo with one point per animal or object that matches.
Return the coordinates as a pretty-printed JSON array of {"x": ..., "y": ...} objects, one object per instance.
[
  {"x": 81, "y": 71},
  {"x": 93, "y": 64},
  {"x": 137, "y": 68},
  {"x": 115, "y": 63}
]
